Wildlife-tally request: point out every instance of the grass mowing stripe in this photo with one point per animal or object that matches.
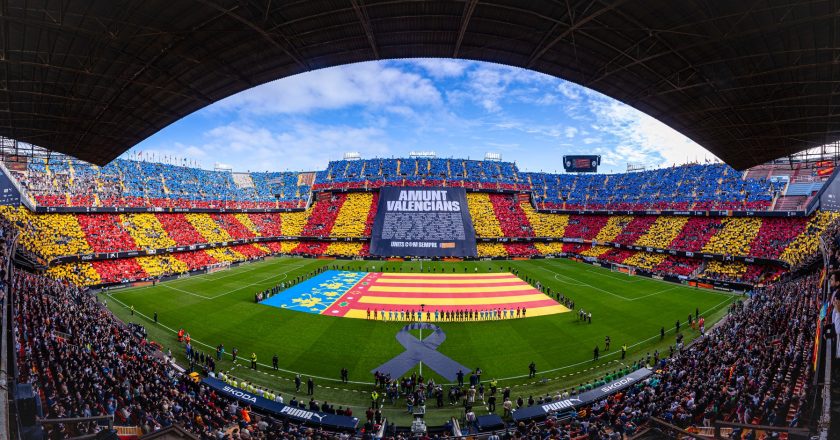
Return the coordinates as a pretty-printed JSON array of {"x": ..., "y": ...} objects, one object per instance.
[{"x": 319, "y": 346}]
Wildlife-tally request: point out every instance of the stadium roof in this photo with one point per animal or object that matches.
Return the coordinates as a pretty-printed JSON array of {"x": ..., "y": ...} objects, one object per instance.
[{"x": 749, "y": 80}]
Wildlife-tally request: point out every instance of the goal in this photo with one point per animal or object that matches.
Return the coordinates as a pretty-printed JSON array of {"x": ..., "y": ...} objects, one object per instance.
[
  {"x": 218, "y": 266},
  {"x": 629, "y": 270}
]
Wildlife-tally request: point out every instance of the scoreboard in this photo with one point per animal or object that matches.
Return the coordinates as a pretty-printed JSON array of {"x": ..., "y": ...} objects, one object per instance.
[{"x": 581, "y": 163}]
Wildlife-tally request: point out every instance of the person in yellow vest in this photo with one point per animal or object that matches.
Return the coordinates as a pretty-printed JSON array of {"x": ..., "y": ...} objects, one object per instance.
[
  {"x": 233, "y": 383},
  {"x": 253, "y": 361},
  {"x": 222, "y": 377},
  {"x": 374, "y": 399}
]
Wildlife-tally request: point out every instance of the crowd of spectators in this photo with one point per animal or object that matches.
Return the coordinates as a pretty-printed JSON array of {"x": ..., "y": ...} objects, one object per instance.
[
  {"x": 662, "y": 232},
  {"x": 645, "y": 260},
  {"x": 512, "y": 219},
  {"x": 734, "y": 236},
  {"x": 82, "y": 362},
  {"x": 105, "y": 232},
  {"x": 803, "y": 249},
  {"x": 696, "y": 233},
  {"x": 752, "y": 368},
  {"x": 692, "y": 186},
  {"x": 775, "y": 234},
  {"x": 376, "y": 173},
  {"x": 543, "y": 224},
  {"x": 64, "y": 181},
  {"x": 323, "y": 214},
  {"x": 353, "y": 217},
  {"x": 484, "y": 219},
  {"x": 678, "y": 266},
  {"x": 133, "y": 183}
]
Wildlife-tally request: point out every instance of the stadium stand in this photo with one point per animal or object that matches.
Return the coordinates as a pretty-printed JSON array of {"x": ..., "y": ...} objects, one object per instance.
[
  {"x": 608, "y": 232},
  {"x": 67, "y": 182},
  {"x": 696, "y": 233},
  {"x": 105, "y": 232},
  {"x": 803, "y": 248},
  {"x": 49, "y": 236},
  {"x": 264, "y": 225},
  {"x": 483, "y": 216},
  {"x": 180, "y": 229},
  {"x": 545, "y": 225},
  {"x": 645, "y": 260},
  {"x": 355, "y": 207},
  {"x": 714, "y": 186},
  {"x": 512, "y": 220},
  {"x": 210, "y": 230},
  {"x": 662, "y": 232},
  {"x": 133, "y": 183},
  {"x": 147, "y": 231},
  {"x": 350, "y": 215},
  {"x": 678, "y": 266},
  {"x": 145, "y": 390},
  {"x": 734, "y": 236}
]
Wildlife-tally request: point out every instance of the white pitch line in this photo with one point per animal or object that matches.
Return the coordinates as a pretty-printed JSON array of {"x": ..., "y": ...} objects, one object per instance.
[
  {"x": 581, "y": 283},
  {"x": 183, "y": 291},
  {"x": 657, "y": 292}
]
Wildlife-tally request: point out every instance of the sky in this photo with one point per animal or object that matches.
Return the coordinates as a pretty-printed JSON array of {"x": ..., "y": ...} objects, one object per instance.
[{"x": 454, "y": 108}]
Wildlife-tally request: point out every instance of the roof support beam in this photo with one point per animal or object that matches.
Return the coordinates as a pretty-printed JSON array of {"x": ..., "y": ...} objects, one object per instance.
[
  {"x": 259, "y": 30},
  {"x": 361, "y": 14},
  {"x": 574, "y": 25},
  {"x": 469, "y": 8}
]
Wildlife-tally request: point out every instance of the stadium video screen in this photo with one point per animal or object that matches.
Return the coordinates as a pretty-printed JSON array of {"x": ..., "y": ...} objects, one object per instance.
[
  {"x": 423, "y": 222},
  {"x": 581, "y": 164}
]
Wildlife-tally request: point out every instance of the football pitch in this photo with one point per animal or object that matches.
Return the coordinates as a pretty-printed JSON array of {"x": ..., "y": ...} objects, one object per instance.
[{"x": 220, "y": 308}]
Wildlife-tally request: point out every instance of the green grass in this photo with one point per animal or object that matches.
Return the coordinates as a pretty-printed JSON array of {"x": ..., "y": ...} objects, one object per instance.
[{"x": 219, "y": 308}]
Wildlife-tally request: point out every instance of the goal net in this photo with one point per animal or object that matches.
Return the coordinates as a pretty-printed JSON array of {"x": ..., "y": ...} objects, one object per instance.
[
  {"x": 629, "y": 270},
  {"x": 218, "y": 266}
]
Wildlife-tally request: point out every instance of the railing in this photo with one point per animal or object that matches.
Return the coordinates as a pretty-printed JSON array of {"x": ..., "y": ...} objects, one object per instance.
[
  {"x": 11, "y": 425},
  {"x": 6, "y": 343}
]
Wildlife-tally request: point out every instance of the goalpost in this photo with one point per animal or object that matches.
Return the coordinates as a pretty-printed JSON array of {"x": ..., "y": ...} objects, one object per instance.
[
  {"x": 629, "y": 270},
  {"x": 218, "y": 266}
]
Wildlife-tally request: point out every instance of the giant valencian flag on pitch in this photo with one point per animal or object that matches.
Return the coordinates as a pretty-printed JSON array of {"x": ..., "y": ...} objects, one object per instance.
[{"x": 352, "y": 294}]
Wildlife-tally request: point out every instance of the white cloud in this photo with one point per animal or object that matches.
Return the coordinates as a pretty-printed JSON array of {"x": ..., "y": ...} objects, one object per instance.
[
  {"x": 641, "y": 138},
  {"x": 367, "y": 84},
  {"x": 569, "y": 90},
  {"x": 488, "y": 85},
  {"x": 547, "y": 99},
  {"x": 570, "y": 132},
  {"x": 302, "y": 146},
  {"x": 440, "y": 68}
]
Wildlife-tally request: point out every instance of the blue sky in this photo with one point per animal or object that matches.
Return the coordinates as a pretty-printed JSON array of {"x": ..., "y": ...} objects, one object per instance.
[{"x": 390, "y": 108}]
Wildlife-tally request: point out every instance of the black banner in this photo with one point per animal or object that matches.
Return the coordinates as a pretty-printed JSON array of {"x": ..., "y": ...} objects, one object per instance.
[
  {"x": 9, "y": 195},
  {"x": 424, "y": 222},
  {"x": 542, "y": 411},
  {"x": 276, "y": 409}
]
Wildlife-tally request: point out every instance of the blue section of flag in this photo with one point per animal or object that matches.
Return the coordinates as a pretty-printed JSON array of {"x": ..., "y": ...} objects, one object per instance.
[{"x": 317, "y": 293}]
